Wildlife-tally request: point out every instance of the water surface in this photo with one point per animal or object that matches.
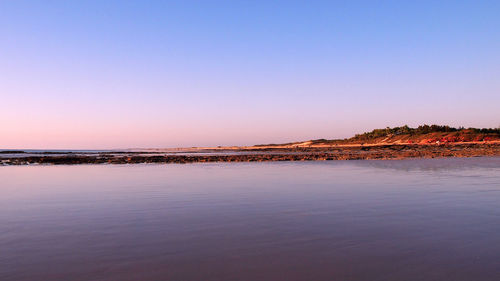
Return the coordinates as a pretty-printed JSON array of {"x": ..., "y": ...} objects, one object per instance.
[{"x": 414, "y": 219}]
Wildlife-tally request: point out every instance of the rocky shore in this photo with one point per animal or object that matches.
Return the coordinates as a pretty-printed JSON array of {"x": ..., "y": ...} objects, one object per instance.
[{"x": 392, "y": 151}]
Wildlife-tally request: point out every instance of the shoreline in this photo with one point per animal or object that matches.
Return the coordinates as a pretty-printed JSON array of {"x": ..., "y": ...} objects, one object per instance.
[{"x": 264, "y": 154}]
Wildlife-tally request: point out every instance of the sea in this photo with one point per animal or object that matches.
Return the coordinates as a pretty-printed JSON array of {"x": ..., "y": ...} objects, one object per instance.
[{"x": 416, "y": 219}]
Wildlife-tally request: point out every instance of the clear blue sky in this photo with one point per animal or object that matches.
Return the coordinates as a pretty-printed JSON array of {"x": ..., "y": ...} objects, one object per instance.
[{"x": 117, "y": 74}]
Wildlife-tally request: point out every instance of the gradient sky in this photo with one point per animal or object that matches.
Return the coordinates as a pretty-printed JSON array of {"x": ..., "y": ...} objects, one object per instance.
[{"x": 128, "y": 74}]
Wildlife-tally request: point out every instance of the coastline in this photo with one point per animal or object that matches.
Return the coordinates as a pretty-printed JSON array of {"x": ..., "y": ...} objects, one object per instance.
[{"x": 261, "y": 154}]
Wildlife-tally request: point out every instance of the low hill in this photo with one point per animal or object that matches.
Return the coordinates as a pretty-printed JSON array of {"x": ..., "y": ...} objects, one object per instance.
[{"x": 424, "y": 134}]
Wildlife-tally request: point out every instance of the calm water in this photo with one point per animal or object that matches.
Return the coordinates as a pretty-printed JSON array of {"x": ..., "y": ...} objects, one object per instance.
[{"x": 356, "y": 220}]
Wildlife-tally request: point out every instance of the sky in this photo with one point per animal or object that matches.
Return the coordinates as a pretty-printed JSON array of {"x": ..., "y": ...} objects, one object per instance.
[{"x": 136, "y": 74}]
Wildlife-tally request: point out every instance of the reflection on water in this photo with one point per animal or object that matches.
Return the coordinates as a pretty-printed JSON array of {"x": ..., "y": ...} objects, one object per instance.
[{"x": 336, "y": 220}]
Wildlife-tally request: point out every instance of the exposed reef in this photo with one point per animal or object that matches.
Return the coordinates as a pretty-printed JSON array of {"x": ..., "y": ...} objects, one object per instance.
[{"x": 393, "y": 151}]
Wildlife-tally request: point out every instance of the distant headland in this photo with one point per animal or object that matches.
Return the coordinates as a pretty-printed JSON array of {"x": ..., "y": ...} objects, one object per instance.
[{"x": 424, "y": 134}]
